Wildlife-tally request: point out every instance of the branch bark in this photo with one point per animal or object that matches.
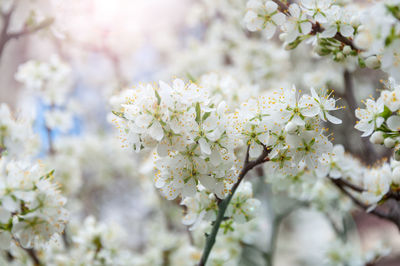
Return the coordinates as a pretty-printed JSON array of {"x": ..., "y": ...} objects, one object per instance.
[
  {"x": 5, "y": 36},
  {"x": 393, "y": 215},
  {"x": 223, "y": 205},
  {"x": 33, "y": 255}
]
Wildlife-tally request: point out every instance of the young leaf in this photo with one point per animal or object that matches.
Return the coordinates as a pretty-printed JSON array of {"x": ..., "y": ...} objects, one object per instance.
[
  {"x": 119, "y": 114},
  {"x": 206, "y": 115},
  {"x": 198, "y": 113},
  {"x": 158, "y": 97}
]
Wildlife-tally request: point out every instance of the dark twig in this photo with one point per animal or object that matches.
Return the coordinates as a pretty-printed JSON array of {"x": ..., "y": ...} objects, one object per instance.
[
  {"x": 346, "y": 183},
  {"x": 393, "y": 214},
  {"x": 5, "y": 36},
  {"x": 223, "y": 205},
  {"x": 33, "y": 255}
]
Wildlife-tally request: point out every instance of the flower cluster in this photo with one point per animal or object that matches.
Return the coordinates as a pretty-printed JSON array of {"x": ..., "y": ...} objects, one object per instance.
[
  {"x": 31, "y": 206},
  {"x": 16, "y": 135},
  {"x": 197, "y": 138},
  {"x": 52, "y": 79},
  {"x": 332, "y": 27},
  {"x": 380, "y": 118},
  {"x": 189, "y": 131},
  {"x": 341, "y": 253},
  {"x": 241, "y": 208},
  {"x": 91, "y": 242},
  {"x": 227, "y": 88}
]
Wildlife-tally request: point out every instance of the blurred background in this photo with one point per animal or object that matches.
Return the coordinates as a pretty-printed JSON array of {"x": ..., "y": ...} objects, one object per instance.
[{"x": 106, "y": 46}]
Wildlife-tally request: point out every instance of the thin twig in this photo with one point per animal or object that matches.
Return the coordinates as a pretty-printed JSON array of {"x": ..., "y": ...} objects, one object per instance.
[
  {"x": 392, "y": 216},
  {"x": 29, "y": 30},
  {"x": 223, "y": 205},
  {"x": 5, "y": 36},
  {"x": 346, "y": 183},
  {"x": 33, "y": 255},
  {"x": 6, "y": 17}
]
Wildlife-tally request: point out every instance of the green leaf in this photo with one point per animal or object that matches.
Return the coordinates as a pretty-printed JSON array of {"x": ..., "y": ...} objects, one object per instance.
[
  {"x": 198, "y": 113},
  {"x": 158, "y": 97},
  {"x": 294, "y": 44},
  {"x": 361, "y": 62},
  {"x": 395, "y": 10},
  {"x": 190, "y": 77},
  {"x": 206, "y": 115},
  {"x": 386, "y": 112},
  {"x": 48, "y": 175},
  {"x": 119, "y": 114}
]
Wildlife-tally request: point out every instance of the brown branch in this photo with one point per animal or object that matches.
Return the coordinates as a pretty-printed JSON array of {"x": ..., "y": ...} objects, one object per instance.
[
  {"x": 33, "y": 255},
  {"x": 284, "y": 8},
  {"x": 29, "y": 30},
  {"x": 223, "y": 205},
  {"x": 6, "y": 17},
  {"x": 5, "y": 36},
  {"x": 348, "y": 184},
  {"x": 393, "y": 215}
]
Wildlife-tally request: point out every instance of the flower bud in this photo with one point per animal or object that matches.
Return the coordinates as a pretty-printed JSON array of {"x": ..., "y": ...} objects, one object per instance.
[
  {"x": 372, "y": 62},
  {"x": 347, "y": 50},
  {"x": 339, "y": 56},
  {"x": 377, "y": 137},
  {"x": 355, "y": 21},
  {"x": 291, "y": 128},
  {"x": 389, "y": 143},
  {"x": 396, "y": 154},
  {"x": 282, "y": 36},
  {"x": 396, "y": 175},
  {"x": 361, "y": 28}
]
